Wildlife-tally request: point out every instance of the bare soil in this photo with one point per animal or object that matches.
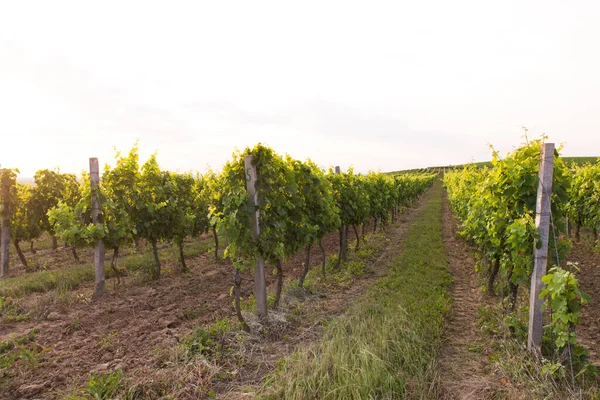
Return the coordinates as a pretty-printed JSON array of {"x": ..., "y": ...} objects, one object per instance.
[
  {"x": 588, "y": 260},
  {"x": 464, "y": 370},
  {"x": 135, "y": 325}
]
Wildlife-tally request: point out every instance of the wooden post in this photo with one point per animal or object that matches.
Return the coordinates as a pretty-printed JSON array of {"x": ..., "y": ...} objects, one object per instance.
[
  {"x": 99, "y": 249},
  {"x": 343, "y": 234},
  {"x": 5, "y": 212},
  {"x": 542, "y": 222},
  {"x": 260, "y": 286}
]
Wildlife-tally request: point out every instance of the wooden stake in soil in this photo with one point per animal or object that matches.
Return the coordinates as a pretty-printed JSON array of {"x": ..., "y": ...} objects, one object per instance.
[
  {"x": 260, "y": 288},
  {"x": 5, "y": 212},
  {"x": 542, "y": 222},
  {"x": 99, "y": 249},
  {"x": 343, "y": 235}
]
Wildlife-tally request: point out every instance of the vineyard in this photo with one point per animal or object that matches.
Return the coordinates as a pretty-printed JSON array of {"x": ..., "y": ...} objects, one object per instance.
[{"x": 274, "y": 278}]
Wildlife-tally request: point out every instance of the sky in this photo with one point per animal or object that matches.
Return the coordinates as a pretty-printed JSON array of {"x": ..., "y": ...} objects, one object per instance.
[{"x": 376, "y": 85}]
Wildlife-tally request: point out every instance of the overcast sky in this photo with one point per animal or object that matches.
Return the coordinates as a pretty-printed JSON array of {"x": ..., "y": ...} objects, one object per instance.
[{"x": 378, "y": 85}]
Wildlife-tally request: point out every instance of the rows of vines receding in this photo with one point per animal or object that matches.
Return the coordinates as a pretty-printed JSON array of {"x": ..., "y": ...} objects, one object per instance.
[
  {"x": 298, "y": 204},
  {"x": 583, "y": 208}
]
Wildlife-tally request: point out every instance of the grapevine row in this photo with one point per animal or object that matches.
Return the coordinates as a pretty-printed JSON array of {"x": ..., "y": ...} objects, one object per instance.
[
  {"x": 496, "y": 206},
  {"x": 583, "y": 208},
  {"x": 299, "y": 204}
]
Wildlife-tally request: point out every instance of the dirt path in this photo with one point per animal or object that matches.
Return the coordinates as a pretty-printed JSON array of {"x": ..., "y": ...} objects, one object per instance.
[{"x": 463, "y": 367}]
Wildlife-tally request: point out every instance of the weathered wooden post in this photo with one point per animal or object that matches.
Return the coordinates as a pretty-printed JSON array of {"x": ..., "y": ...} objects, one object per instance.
[
  {"x": 5, "y": 211},
  {"x": 99, "y": 249},
  {"x": 260, "y": 288},
  {"x": 343, "y": 234},
  {"x": 542, "y": 222}
]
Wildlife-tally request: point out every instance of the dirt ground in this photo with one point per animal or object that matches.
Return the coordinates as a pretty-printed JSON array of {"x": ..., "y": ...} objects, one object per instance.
[
  {"x": 464, "y": 370},
  {"x": 588, "y": 260},
  {"x": 134, "y": 325}
]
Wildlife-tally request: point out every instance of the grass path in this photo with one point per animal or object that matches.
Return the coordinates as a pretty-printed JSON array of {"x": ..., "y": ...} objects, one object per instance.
[{"x": 386, "y": 345}]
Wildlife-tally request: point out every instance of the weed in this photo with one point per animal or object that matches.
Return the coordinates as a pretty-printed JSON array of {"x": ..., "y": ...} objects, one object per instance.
[
  {"x": 104, "y": 386},
  {"x": 75, "y": 325},
  {"x": 108, "y": 341},
  {"x": 270, "y": 299},
  {"x": 249, "y": 303},
  {"x": 365, "y": 252},
  {"x": 219, "y": 328},
  {"x": 356, "y": 268},
  {"x": 197, "y": 343},
  {"x": 205, "y": 342},
  {"x": 20, "y": 350}
]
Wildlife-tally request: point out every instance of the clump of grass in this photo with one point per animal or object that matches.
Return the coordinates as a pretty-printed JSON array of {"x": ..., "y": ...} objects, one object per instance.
[
  {"x": 386, "y": 345},
  {"x": 104, "y": 386},
  {"x": 205, "y": 342}
]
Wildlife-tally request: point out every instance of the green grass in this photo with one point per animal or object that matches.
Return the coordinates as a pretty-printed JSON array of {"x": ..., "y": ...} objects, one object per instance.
[
  {"x": 386, "y": 345},
  {"x": 71, "y": 277},
  {"x": 99, "y": 387}
]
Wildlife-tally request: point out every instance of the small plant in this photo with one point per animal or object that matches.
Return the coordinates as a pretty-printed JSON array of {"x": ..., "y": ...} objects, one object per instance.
[
  {"x": 565, "y": 299},
  {"x": 108, "y": 341},
  {"x": 104, "y": 386},
  {"x": 205, "y": 342},
  {"x": 309, "y": 283},
  {"x": 554, "y": 369},
  {"x": 563, "y": 296},
  {"x": 356, "y": 268},
  {"x": 197, "y": 343},
  {"x": 249, "y": 303},
  {"x": 75, "y": 325},
  {"x": 366, "y": 252},
  {"x": 270, "y": 299},
  {"x": 19, "y": 350},
  {"x": 219, "y": 328}
]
